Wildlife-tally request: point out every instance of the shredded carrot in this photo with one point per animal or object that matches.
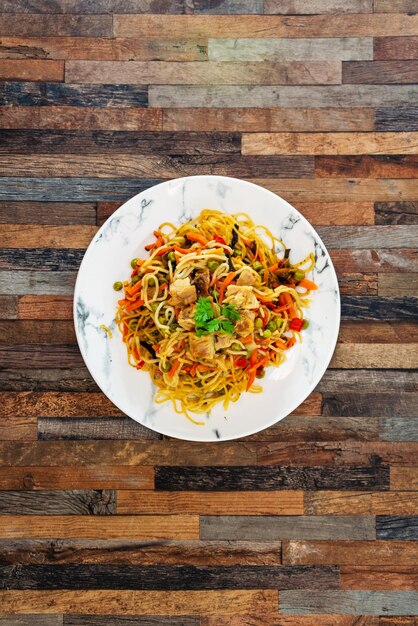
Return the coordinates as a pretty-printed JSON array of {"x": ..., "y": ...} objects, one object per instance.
[
  {"x": 281, "y": 344},
  {"x": 290, "y": 343},
  {"x": 253, "y": 357},
  {"x": 131, "y": 291},
  {"x": 134, "y": 305},
  {"x": 174, "y": 368},
  {"x": 162, "y": 251},
  {"x": 251, "y": 379},
  {"x": 182, "y": 250},
  {"x": 261, "y": 255},
  {"x": 285, "y": 299},
  {"x": 196, "y": 237},
  {"x": 266, "y": 276},
  {"x": 247, "y": 339},
  {"x": 149, "y": 247},
  {"x": 308, "y": 284},
  {"x": 273, "y": 268},
  {"x": 228, "y": 279},
  {"x": 203, "y": 368},
  {"x": 193, "y": 369}
]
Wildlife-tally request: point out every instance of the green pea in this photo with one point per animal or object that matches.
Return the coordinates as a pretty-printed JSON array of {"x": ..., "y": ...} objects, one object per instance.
[
  {"x": 213, "y": 265},
  {"x": 172, "y": 257},
  {"x": 305, "y": 324},
  {"x": 165, "y": 368},
  {"x": 154, "y": 306},
  {"x": 135, "y": 279},
  {"x": 134, "y": 263},
  {"x": 267, "y": 333},
  {"x": 236, "y": 346},
  {"x": 260, "y": 373},
  {"x": 258, "y": 322},
  {"x": 271, "y": 326},
  {"x": 117, "y": 286},
  {"x": 237, "y": 252},
  {"x": 299, "y": 275},
  {"x": 257, "y": 266}
]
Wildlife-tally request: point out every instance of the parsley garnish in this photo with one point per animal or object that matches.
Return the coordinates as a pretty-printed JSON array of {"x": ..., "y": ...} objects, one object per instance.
[{"x": 207, "y": 323}]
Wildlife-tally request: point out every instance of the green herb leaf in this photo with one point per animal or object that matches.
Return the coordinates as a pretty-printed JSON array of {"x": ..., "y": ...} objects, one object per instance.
[
  {"x": 204, "y": 311},
  {"x": 225, "y": 326},
  {"x": 230, "y": 312}
]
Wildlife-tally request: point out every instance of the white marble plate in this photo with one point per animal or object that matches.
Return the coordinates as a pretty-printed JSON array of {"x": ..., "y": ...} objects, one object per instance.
[{"x": 123, "y": 237}]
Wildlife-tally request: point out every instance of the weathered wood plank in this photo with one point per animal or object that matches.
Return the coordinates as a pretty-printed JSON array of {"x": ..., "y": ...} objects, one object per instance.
[
  {"x": 398, "y": 428},
  {"x": 32, "y": 620},
  {"x": 57, "y": 503},
  {"x": 54, "y": 404},
  {"x": 38, "y": 258},
  {"x": 123, "y": 620},
  {"x": 393, "y": 6},
  {"x": 31, "y": 331},
  {"x": 343, "y": 49},
  {"x": 366, "y": 381},
  {"x": 33, "y": 236},
  {"x": 127, "y": 453},
  {"x": 387, "y": 48},
  {"x": 358, "y": 284},
  {"x": 93, "y": 477},
  {"x": 367, "y": 166},
  {"x": 137, "y": 552},
  {"x": 41, "y": 307},
  {"x": 380, "y": 578},
  {"x": 37, "y": 283},
  {"x": 98, "y": 48},
  {"x": 109, "y": 166},
  {"x": 60, "y": 25},
  {"x": 351, "y": 602},
  {"x": 228, "y": 96},
  {"x": 398, "y": 284},
  {"x": 246, "y": 503},
  {"x": 99, "y": 527},
  {"x": 317, "y": 6},
  {"x": 54, "y": 429},
  {"x": 173, "y": 27},
  {"x": 329, "y": 143},
  {"x": 105, "y": 210},
  {"x": 293, "y": 620},
  {"x": 375, "y": 356},
  {"x": 16, "y": 428},
  {"x": 405, "y": 478},
  {"x": 373, "y": 260},
  {"x": 277, "y": 119},
  {"x": 57, "y": 94},
  {"x": 249, "y": 528},
  {"x": 366, "y": 236},
  {"x": 295, "y": 428},
  {"x": 35, "y": 70},
  {"x": 269, "y": 477},
  {"x": 53, "y": 379},
  {"x": 46, "y": 212},
  {"x": 160, "y": 577},
  {"x": 129, "y": 602},
  {"x": 396, "y": 527},
  {"x": 8, "y": 307},
  {"x": 396, "y": 212},
  {"x": 380, "y": 72},
  {"x": 355, "y": 503},
  {"x": 380, "y": 308},
  {"x": 379, "y": 332},
  {"x": 382, "y": 553},
  {"x": 209, "y": 73},
  {"x": 373, "y": 404},
  {"x": 396, "y": 119}
]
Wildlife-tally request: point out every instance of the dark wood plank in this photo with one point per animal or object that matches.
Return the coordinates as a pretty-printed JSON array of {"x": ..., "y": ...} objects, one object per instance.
[
  {"x": 47, "y": 213},
  {"x": 57, "y": 503},
  {"x": 373, "y": 404},
  {"x": 379, "y": 308},
  {"x": 50, "y": 429},
  {"x": 89, "y": 142},
  {"x": 123, "y": 620},
  {"x": 61, "y": 94},
  {"x": 351, "y": 602},
  {"x": 380, "y": 72},
  {"x": 387, "y": 48},
  {"x": 50, "y": 332},
  {"x": 396, "y": 212},
  {"x": 270, "y": 478},
  {"x": 27, "y": 356},
  {"x": 105, "y": 210},
  {"x": 397, "y": 527},
  {"x": 55, "y": 259},
  {"x": 32, "y": 620},
  {"x": 136, "y": 552},
  {"x": 8, "y": 307},
  {"x": 400, "y": 119},
  {"x": 62, "y": 25},
  {"x": 393, "y": 166},
  {"x": 274, "y": 528},
  {"x": 367, "y": 381},
  {"x": 161, "y": 577},
  {"x": 23, "y": 379}
]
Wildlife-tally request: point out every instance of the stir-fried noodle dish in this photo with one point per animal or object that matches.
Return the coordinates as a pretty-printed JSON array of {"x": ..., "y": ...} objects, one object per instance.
[{"x": 216, "y": 302}]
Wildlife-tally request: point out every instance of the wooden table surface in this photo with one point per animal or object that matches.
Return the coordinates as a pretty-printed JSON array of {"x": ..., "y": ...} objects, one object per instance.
[{"x": 313, "y": 522}]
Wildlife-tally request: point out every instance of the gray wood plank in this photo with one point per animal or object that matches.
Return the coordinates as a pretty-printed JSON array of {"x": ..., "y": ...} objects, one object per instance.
[
  {"x": 47, "y": 213},
  {"x": 180, "y": 96},
  {"x": 347, "y": 49},
  {"x": 317, "y": 6},
  {"x": 18, "y": 357},
  {"x": 365, "y": 237},
  {"x": 37, "y": 283},
  {"x": 57, "y": 502},
  {"x": 396, "y": 212},
  {"x": 398, "y": 428},
  {"x": 373, "y": 404},
  {"x": 396, "y": 527},
  {"x": 54, "y": 259},
  {"x": 390, "y": 118},
  {"x": 32, "y": 620},
  {"x": 350, "y": 602},
  {"x": 62, "y": 94},
  {"x": 367, "y": 381},
  {"x": 379, "y": 308},
  {"x": 93, "y": 428},
  {"x": 271, "y": 528},
  {"x": 22, "y": 379},
  {"x": 126, "y": 620},
  {"x": 59, "y": 25}
]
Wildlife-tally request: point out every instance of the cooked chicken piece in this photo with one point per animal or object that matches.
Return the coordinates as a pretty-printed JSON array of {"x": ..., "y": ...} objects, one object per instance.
[
  {"x": 242, "y": 297},
  {"x": 185, "y": 318},
  {"x": 245, "y": 325},
  {"x": 223, "y": 341},
  {"x": 247, "y": 277},
  {"x": 182, "y": 292},
  {"x": 202, "y": 347},
  {"x": 201, "y": 281}
]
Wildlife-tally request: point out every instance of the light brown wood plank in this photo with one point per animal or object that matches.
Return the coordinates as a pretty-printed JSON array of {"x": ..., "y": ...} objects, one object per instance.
[
  {"x": 45, "y": 307},
  {"x": 80, "y": 118},
  {"x": 372, "y": 260},
  {"x": 251, "y": 120},
  {"x": 378, "y": 332},
  {"x": 350, "y": 552},
  {"x": 365, "y": 166},
  {"x": 101, "y": 49},
  {"x": 404, "y": 478},
  {"x": 94, "y": 477},
  {"x": 395, "y": 577},
  {"x": 358, "y": 284},
  {"x": 103, "y": 527},
  {"x": 297, "y": 620},
  {"x": 57, "y": 404},
  {"x": 8, "y": 307},
  {"x": 215, "y": 503},
  {"x": 317, "y": 6},
  {"x": 18, "y": 428},
  {"x": 107, "y": 602},
  {"x": 222, "y": 26},
  {"x": 329, "y": 143},
  {"x": 209, "y": 73},
  {"x": 33, "y": 70},
  {"x": 380, "y": 72},
  {"x": 387, "y": 48},
  {"x": 395, "y": 6},
  {"x": 337, "y": 213},
  {"x": 398, "y": 284},
  {"x": 36, "y": 236},
  {"x": 358, "y": 503},
  {"x": 375, "y": 356}
]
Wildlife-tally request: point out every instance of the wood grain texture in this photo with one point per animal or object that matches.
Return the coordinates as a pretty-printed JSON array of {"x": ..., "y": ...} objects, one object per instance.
[
  {"x": 127, "y": 602},
  {"x": 47, "y": 379},
  {"x": 32, "y": 620},
  {"x": 17, "y": 428},
  {"x": 387, "y": 237},
  {"x": 8, "y": 307},
  {"x": 40, "y": 307},
  {"x": 368, "y": 166},
  {"x": 387, "y": 119},
  {"x": 405, "y": 478},
  {"x": 355, "y": 503},
  {"x": 398, "y": 285},
  {"x": 60, "y": 94},
  {"x": 384, "y": 553},
  {"x": 374, "y": 356},
  {"x": 396, "y": 212},
  {"x": 47, "y": 212},
  {"x": 380, "y": 72},
  {"x": 61, "y": 25},
  {"x": 34, "y": 70},
  {"x": 379, "y": 332},
  {"x": 392, "y": 6},
  {"x": 295, "y": 620},
  {"x": 392, "y": 527},
  {"x": 371, "y": 404},
  {"x": 380, "y": 578},
  {"x": 31, "y": 331},
  {"x": 387, "y": 48},
  {"x": 31, "y": 236},
  {"x": 357, "y": 602},
  {"x": 123, "y": 620},
  {"x": 62, "y": 428},
  {"x": 74, "y": 502},
  {"x": 317, "y": 6},
  {"x": 37, "y": 283}
]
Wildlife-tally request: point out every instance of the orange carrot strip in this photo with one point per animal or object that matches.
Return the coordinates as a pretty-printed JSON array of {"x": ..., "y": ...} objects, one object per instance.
[
  {"x": 251, "y": 379},
  {"x": 308, "y": 284},
  {"x": 182, "y": 250},
  {"x": 274, "y": 267},
  {"x": 225, "y": 284},
  {"x": 266, "y": 276},
  {"x": 286, "y": 299},
  {"x": 261, "y": 255},
  {"x": 193, "y": 369},
  {"x": 162, "y": 251},
  {"x": 174, "y": 368},
  {"x": 196, "y": 237},
  {"x": 247, "y": 339},
  {"x": 281, "y": 344},
  {"x": 134, "y": 305},
  {"x": 290, "y": 343},
  {"x": 149, "y": 247},
  {"x": 131, "y": 291}
]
